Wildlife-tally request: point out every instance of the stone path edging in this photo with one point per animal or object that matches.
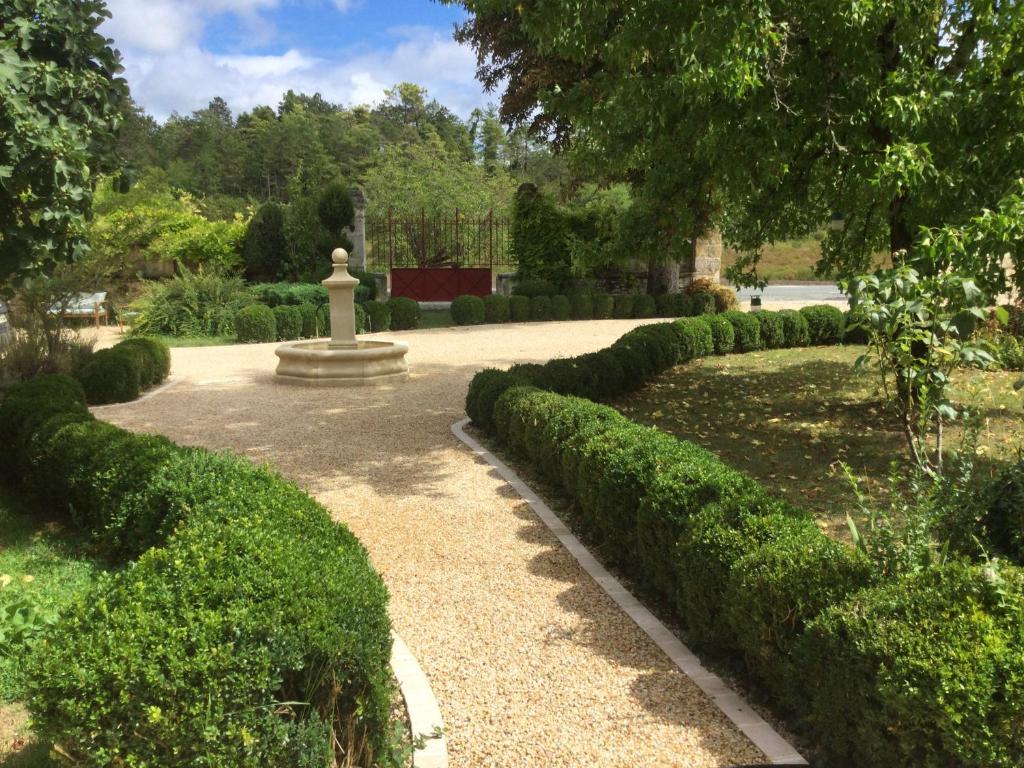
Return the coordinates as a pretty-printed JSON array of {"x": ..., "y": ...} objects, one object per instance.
[
  {"x": 430, "y": 747},
  {"x": 733, "y": 706}
]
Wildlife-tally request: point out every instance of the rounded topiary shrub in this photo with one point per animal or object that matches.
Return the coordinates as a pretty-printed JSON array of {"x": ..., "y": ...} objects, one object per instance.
[
  {"x": 288, "y": 319},
  {"x": 702, "y": 303},
  {"x": 773, "y": 333},
  {"x": 256, "y": 324},
  {"x": 723, "y": 336},
  {"x": 695, "y": 339},
  {"x": 468, "y": 310},
  {"x": 323, "y": 320},
  {"x": 825, "y": 323},
  {"x": 519, "y": 308},
  {"x": 405, "y": 314},
  {"x": 362, "y": 320},
  {"x": 604, "y": 306},
  {"x": 110, "y": 376},
  {"x": 582, "y": 306},
  {"x": 153, "y": 357},
  {"x": 560, "y": 308},
  {"x": 532, "y": 286},
  {"x": 540, "y": 308},
  {"x": 623, "y": 308},
  {"x": 746, "y": 329},
  {"x": 496, "y": 309},
  {"x": 795, "y": 330},
  {"x": 673, "y": 305},
  {"x": 27, "y": 405},
  {"x": 378, "y": 316},
  {"x": 644, "y": 306},
  {"x": 309, "y": 327}
]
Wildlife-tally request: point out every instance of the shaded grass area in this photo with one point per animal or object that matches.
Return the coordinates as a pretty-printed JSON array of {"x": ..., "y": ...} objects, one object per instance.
[
  {"x": 790, "y": 417},
  {"x": 42, "y": 571},
  {"x": 197, "y": 341},
  {"x": 436, "y": 318}
]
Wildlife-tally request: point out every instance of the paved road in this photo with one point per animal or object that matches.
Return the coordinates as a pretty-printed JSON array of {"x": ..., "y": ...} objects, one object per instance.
[{"x": 810, "y": 293}]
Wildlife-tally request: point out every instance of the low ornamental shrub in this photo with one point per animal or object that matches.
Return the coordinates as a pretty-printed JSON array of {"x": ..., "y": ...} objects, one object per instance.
[
  {"x": 26, "y": 407},
  {"x": 723, "y": 337},
  {"x": 468, "y": 310},
  {"x": 722, "y": 297},
  {"x": 309, "y": 324},
  {"x": 644, "y": 306},
  {"x": 623, "y": 307},
  {"x": 323, "y": 320},
  {"x": 825, "y": 323},
  {"x": 405, "y": 314},
  {"x": 773, "y": 332},
  {"x": 604, "y": 306},
  {"x": 582, "y": 306},
  {"x": 256, "y": 324},
  {"x": 702, "y": 303},
  {"x": 540, "y": 308},
  {"x": 560, "y": 308},
  {"x": 1004, "y": 512},
  {"x": 111, "y": 376},
  {"x": 288, "y": 320},
  {"x": 378, "y": 316},
  {"x": 921, "y": 673},
  {"x": 747, "y": 330},
  {"x": 153, "y": 357},
  {"x": 695, "y": 339},
  {"x": 795, "y": 329},
  {"x": 519, "y": 308},
  {"x": 531, "y": 286},
  {"x": 278, "y": 294},
  {"x": 496, "y": 308},
  {"x": 673, "y": 305}
]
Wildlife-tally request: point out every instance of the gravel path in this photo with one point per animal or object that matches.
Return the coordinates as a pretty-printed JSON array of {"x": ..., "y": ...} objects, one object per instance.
[{"x": 532, "y": 664}]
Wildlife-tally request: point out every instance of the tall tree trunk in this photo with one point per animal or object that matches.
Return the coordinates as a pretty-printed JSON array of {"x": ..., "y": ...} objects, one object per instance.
[{"x": 662, "y": 276}]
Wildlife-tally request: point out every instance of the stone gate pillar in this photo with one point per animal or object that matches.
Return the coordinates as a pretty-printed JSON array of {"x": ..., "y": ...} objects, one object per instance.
[
  {"x": 707, "y": 257},
  {"x": 358, "y": 230}
]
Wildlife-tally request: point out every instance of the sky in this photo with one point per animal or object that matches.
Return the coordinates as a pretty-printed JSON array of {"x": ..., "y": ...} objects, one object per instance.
[{"x": 179, "y": 54}]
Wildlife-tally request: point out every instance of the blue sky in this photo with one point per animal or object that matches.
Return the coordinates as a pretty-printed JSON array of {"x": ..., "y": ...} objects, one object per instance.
[{"x": 179, "y": 54}]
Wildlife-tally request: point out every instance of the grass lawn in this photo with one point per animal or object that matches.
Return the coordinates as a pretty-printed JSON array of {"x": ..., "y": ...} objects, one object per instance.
[
  {"x": 197, "y": 341},
  {"x": 785, "y": 260},
  {"x": 40, "y": 569},
  {"x": 790, "y": 417},
  {"x": 436, "y": 318}
]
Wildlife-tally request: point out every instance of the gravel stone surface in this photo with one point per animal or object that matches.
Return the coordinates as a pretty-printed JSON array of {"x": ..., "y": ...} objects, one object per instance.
[{"x": 532, "y": 664}]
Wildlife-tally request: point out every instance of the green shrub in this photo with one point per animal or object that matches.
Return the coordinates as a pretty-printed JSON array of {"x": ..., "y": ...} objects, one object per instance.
[
  {"x": 795, "y": 329},
  {"x": 276, "y": 294},
  {"x": 853, "y": 333},
  {"x": 310, "y": 329},
  {"x": 644, "y": 306},
  {"x": 623, "y": 307},
  {"x": 26, "y": 407},
  {"x": 653, "y": 349},
  {"x": 722, "y": 334},
  {"x": 922, "y": 673},
  {"x": 265, "y": 246},
  {"x": 560, "y": 309},
  {"x": 672, "y": 305},
  {"x": 519, "y": 309},
  {"x": 496, "y": 309},
  {"x": 153, "y": 357},
  {"x": 530, "y": 287},
  {"x": 110, "y": 376},
  {"x": 323, "y": 319},
  {"x": 256, "y": 324},
  {"x": 468, "y": 310},
  {"x": 702, "y": 303},
  {"x": 540, "y": 236},
  {"x": 190, "y": 304},
  {"x": 695, "y": 339},
  {"x": 484, "y": 390},
  {"x": 367, "y": 281},
  {"x": 288, "y": 321},
  {"x": 405, "y": 314},
  {"x": 746, "y": 329},
  {"x": 378, "y": 316},
  {"x": 773, "y": 332},
  {"x": 604, "y": 306},
  {"x": 540, "y": 308},
  {"x": 582, "y": 306},
  {"x": 824, "y": 322},
  {"x": 710, "y": 297},
  {"x": 1004, "y": 512}
]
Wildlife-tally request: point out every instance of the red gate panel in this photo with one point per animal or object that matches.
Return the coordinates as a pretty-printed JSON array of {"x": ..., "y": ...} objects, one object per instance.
[{"x": 440, "y": 284}]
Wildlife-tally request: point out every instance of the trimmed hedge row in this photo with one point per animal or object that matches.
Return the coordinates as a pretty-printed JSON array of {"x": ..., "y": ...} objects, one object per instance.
[
  {"x": 120, "y": 373},
  {"x": 923, "y": 673},
  {"x": 251, "y": 631}
]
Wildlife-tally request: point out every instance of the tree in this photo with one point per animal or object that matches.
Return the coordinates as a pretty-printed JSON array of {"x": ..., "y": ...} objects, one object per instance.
[
  {"x": 336, "y": 210},
  {"x": 61, "y": 103},
  {"x": 265, "y": 246}
]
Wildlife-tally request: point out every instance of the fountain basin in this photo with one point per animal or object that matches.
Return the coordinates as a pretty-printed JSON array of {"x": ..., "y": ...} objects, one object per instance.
[{"x": 318, "y": 364}]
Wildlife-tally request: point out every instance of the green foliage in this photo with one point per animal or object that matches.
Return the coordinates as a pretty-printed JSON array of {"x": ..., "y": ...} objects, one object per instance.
[
  {"x": 256, "y": 324},
  {"x": 702, "y": 303},
  {"x": 560, "y": 308},
  {"x": 468, "y": 310},
  {"x": 1004, "y": 512},
  {"x": 405, "y": 314},
  {"x": 539, "y": 237},
  {"x": 111, "y": 376},
  {"x": 60, "y": 112},
  {"x": 335, "y": 209},
  {"x": 265, "y": 247},
  {"x": 534, "y": 286},
  {"x": 672, "y": 305},
  {"x": 496, "y": 308},
  {"x": 623, "y": 308},
  {"x": 310, "y": 327},
  {"x": 746, "y": 329},
  {"x": 604, "y": 306},
  {"x": 27, "y": 406},
  {"x": 519, "y": 308},
  {"x": 540, "y": 308},
  {"x": 288, "y": 321},
  {"x": 824, "y": 323},
  {"x": 276, "y": 294},
  {"x": 796, "y": 331},
  {"x": 773, "y": 331},
  {"x": 722, "y": 334},
  {"x": 644, "y": 306},
  {"x": 378, "y": 315},
  {"x": 696, "y": 339},
  {"x": 190, "y": 304},
  {"x": 939, "y": 653},
  {"x": 582, "y": 306},
  {"x": 153, "y": 358},
  {"x": 323, "y": 318}
]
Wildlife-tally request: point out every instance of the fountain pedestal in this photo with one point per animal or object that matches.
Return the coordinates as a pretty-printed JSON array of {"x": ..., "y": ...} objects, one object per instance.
[{"x": 343, "y": 361}]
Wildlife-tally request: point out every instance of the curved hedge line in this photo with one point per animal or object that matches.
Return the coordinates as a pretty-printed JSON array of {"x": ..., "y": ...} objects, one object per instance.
[
  {"x": 120, "y": 373},
  {"x": 925, "y": 672},
  {"x": 251, "y": 631}
]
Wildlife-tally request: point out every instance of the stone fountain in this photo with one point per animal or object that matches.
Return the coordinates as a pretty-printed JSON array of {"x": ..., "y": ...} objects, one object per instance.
[{"x": 343, "y": 361}]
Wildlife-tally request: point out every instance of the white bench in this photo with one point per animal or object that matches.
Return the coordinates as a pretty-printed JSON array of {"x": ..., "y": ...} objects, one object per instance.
[{"x": 87, "y": 305}]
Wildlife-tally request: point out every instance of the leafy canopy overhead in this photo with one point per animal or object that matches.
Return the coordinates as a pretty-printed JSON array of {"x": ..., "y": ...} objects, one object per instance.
[{"x": 60, "y": 105}]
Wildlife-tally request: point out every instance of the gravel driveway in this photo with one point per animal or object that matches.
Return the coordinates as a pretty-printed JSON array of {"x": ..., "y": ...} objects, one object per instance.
[{"x": 532, "y": 664}]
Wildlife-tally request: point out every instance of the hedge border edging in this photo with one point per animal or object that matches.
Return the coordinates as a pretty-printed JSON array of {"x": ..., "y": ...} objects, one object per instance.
[
  {"x": 171, "y": 382},
  {"x": 421, "y": 706},
  {"x": 731, "y": 704}
]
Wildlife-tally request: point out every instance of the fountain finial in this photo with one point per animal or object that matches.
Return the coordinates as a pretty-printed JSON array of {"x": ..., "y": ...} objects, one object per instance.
[{"x": 339, "y": 256}]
